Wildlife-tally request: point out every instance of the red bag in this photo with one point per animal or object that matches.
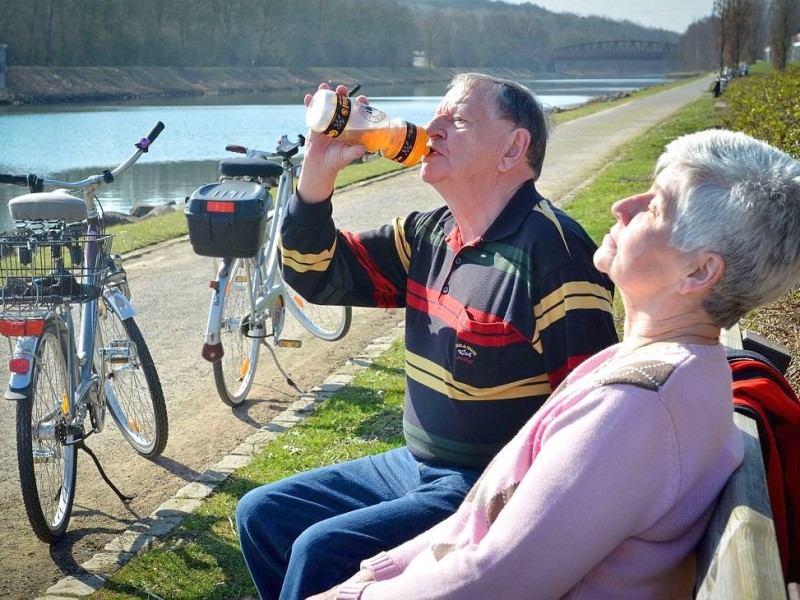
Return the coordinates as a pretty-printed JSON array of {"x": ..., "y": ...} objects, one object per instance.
[{"x": 762, "y": 392}]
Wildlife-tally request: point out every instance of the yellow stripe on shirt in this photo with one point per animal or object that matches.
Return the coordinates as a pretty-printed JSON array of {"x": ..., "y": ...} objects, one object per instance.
[
  {"x": 439, "y": 379},
  {"x": 401, "y": 243},
  {"x": 303, "y": 263},
  {"x": 574, "y": 295}
]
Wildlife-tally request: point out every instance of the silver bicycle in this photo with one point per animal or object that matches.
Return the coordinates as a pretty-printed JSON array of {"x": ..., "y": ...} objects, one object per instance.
[
  {"x": 249, "y": 297},
  {"x": 76, "y": 349}
]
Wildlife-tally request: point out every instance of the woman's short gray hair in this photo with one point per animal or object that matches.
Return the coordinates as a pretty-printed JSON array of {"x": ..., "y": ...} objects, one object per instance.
[
  {"x": 518, "y": 104},
  {"x": 738, "y": 197}
]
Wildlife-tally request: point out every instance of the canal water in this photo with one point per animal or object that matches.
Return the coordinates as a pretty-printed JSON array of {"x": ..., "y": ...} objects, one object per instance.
[{"x": 72, "y": 141}]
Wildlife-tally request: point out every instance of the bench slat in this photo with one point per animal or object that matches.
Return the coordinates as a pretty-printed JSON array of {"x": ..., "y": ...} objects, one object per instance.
[{"x": 738, "y": 556}]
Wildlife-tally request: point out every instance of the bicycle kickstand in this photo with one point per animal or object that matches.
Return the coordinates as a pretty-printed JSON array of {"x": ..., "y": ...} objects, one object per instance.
[{"x": 125, "y": 499}]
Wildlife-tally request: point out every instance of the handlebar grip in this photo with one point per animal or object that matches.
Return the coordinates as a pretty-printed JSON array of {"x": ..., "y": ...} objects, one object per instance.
[
  {"x": 144, "y": 143},
  {"x": 14, "y": 179},
  {"x": 236, "y": 148},
  {"x": 155, "y": 131}
]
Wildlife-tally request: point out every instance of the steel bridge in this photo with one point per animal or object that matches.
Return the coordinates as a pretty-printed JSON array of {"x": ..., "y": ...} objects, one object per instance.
[{"x": 616, "y": 50}]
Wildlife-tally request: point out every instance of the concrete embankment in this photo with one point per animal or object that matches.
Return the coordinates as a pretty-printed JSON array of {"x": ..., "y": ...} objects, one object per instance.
[{"x": 47, "y": 85}]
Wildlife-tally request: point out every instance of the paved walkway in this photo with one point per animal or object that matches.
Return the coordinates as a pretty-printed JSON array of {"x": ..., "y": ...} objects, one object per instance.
[{"x": 577, "y": 151}]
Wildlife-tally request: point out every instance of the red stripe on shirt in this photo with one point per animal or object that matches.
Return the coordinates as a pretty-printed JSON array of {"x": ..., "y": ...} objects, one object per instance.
[
  {"x": 385, "y": 292},
  {"x": 474, "y": 326}
]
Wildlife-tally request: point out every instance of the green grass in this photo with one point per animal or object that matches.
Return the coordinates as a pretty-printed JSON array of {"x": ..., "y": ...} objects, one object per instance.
[{"x": 201, "y": 558}]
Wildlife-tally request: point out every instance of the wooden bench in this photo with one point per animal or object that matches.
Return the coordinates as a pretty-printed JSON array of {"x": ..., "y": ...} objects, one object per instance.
[{"x": 738, "y": 557}]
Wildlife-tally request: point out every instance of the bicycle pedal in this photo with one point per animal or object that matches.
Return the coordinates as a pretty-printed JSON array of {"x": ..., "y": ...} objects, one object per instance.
[{"x": 289, "y": 343}]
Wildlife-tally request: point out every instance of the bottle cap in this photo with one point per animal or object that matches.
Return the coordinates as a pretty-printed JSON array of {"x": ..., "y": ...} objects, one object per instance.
[{"x": 328, "y": 113}]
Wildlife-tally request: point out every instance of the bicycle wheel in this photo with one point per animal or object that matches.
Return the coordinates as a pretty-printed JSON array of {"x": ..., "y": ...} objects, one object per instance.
[
  {"x": 47, "y": 466},
  {"x": 132, "y": 388},
  {"x": 329, "y": 323},
  {"x": 234, "y": 372}
]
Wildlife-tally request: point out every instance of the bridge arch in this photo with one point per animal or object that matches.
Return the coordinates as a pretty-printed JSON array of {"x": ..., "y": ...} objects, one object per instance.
[{"x": 616, "y": 50}]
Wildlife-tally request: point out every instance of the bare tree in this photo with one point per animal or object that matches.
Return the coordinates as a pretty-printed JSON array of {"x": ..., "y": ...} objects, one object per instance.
[
  {"x": 784, "y": 16},
  {"x": 722, "y": 14},
  {"x": 740, "y": 31}
]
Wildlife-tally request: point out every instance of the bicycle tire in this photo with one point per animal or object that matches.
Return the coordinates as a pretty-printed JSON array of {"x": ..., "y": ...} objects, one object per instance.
[
  {"x": 47, "y": 467},
  {"x": 132, "y": 388},
  {"x": 235, "y": 371},
  {"x": 329, "y": 323}
]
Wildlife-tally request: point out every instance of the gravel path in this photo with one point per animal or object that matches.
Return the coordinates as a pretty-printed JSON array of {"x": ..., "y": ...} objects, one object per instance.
[{"x": 170, "y": 291}]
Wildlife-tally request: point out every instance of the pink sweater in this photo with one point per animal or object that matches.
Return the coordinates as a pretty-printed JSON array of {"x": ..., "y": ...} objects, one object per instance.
[{"x": 604, "y": 493}]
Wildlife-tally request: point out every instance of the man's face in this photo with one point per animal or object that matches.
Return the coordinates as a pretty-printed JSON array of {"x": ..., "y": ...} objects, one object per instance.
[{"x": 467, "y": 138}]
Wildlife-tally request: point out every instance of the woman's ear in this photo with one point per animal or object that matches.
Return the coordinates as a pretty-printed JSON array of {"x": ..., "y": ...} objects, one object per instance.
[
  {"x": 518, "y": 144},
  {"x": 709, "y": 268}
]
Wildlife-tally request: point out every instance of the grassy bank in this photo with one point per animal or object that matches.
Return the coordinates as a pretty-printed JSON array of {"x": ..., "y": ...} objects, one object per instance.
[{"x": 201, "y": 558}]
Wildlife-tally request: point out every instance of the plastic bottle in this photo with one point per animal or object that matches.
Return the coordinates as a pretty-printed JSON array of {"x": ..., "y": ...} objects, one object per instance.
[{"x": 343, "y": 118}]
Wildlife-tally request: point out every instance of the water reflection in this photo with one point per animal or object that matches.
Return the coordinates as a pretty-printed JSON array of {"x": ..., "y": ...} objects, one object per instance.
[{"x": 70, "y": 142}]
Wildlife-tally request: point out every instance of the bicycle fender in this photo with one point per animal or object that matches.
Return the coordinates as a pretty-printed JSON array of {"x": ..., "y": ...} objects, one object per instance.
[
  {"x": 119, "y": 303},
  {"x": 18, "y": 383}
]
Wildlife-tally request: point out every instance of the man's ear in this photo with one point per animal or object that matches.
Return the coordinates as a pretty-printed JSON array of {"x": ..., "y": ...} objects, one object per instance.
[
  {"x": 709, "y": 269},
  {"x": 518, "y": 144}
]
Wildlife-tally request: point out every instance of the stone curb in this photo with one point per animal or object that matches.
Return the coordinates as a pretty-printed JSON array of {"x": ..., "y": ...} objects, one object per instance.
[{"x": 141, "y": 535}]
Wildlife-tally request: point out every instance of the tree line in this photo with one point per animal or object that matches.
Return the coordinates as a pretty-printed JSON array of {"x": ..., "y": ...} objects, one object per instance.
[
  {"x": 741, "y": 32},
  {"x": 297, "y": 33}
]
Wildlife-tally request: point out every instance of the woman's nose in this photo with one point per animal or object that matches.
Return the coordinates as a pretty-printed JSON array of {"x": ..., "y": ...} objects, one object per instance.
[{"x": 624, "y": 210}]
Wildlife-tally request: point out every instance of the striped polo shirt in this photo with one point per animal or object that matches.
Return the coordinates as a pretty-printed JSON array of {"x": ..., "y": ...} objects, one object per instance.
[{"x": 492, "y": 326}]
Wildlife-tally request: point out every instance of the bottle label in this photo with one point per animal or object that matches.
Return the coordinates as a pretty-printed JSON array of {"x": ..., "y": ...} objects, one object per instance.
[
  {"x": 340, "y": 117},
  {"x": 408, "y": 144},
  {"x": 371, "y": 115}
]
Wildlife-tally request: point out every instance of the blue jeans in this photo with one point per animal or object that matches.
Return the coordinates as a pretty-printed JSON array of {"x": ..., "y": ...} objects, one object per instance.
[{"x": 307, "y": 533}]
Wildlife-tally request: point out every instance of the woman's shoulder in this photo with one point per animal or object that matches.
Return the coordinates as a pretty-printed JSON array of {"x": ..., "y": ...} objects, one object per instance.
[{"x": 652, "y": 367}]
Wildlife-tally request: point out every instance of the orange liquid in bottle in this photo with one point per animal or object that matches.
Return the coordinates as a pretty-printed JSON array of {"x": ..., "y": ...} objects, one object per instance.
[{"x": 406, "y": 145}]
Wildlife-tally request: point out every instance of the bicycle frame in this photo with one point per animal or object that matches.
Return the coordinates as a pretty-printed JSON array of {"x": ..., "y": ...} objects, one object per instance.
[
  {"x": 268, "y": 287},
  {"x": 249, "y": 297},
  {"x": 84, "y": 348},
  {"x": 68, "y": 367}
]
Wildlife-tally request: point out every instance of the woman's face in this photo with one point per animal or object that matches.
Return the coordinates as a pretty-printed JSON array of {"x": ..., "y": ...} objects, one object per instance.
[{"x": 636, "y": 253}]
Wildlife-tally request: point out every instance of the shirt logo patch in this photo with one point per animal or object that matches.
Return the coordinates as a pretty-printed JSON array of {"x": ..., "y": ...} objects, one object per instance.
[{"x": 465, "y": 353}]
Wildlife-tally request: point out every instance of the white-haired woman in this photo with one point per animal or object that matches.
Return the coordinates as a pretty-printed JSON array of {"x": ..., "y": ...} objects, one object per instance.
[{"x": 607, "y": 490}]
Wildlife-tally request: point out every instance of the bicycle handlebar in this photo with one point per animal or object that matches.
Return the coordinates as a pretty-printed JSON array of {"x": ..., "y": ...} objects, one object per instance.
[
  {"x": 285, "y": 148},
  {"x": 34, "y": 183}
]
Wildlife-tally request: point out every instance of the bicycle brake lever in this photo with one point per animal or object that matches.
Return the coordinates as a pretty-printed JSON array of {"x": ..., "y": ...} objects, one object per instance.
[{"x": 355, "y": 89}]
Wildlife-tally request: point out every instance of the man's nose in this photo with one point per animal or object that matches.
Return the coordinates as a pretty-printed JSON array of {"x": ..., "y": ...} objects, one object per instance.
[{"x": 434, "y": 128}]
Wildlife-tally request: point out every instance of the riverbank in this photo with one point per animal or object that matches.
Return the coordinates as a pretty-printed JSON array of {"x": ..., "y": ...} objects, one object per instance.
[{"x": 55, "y": 85}]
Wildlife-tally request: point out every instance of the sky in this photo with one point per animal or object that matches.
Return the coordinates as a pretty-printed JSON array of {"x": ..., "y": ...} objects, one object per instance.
[{"x": 674, "y": 15}]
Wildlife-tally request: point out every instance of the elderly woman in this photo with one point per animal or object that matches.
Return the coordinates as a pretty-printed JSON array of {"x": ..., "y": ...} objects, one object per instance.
[{"x": 607, "y": 490}]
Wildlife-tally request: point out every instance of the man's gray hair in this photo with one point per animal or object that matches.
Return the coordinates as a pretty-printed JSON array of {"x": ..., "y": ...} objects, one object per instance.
[
  {"x": 738, "y": 197},
  {"x": 518, "y": 104}
]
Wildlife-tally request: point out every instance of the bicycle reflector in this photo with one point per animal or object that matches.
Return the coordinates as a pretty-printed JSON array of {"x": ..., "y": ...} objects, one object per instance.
[
  {"x": 220, "y": 207},
  {"x": 19, "y": 365},
  {"x": 21, "y": 327}
]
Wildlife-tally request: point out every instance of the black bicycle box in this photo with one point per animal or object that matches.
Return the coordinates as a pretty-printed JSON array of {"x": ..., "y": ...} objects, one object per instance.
[{"x": 228, "y": 218}]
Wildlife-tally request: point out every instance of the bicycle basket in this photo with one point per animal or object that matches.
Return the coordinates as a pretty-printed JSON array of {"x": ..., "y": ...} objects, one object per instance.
[{"x": 40, "y": 269}]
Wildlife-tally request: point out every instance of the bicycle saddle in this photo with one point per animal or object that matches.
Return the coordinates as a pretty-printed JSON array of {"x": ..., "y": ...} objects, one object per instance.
[
  {"x": 58, "y": 204},
  {"x": 249, "y": 167}
]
